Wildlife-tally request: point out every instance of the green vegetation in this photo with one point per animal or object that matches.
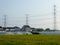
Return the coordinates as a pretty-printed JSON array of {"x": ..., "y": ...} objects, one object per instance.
[{"x": 29, "y": 39}]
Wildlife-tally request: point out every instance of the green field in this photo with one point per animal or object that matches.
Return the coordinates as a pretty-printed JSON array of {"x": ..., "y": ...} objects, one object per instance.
[{"x": 29, "y": 39}]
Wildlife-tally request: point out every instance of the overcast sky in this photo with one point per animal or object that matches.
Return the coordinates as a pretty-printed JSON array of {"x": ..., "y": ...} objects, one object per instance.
[{"x": 40, "y": 12}]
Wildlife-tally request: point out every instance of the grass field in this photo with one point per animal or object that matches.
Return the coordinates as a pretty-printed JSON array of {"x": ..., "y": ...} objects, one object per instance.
[{"x": 29, "y": 39}]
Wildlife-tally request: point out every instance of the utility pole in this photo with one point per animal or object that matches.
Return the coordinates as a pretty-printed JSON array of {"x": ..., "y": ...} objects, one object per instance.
[
  {"x": 5, "y": 22},
  {"x": 54, "y": 17},
  {"x": 26, "y": 19}
]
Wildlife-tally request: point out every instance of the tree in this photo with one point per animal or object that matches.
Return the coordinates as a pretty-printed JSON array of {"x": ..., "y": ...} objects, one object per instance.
[
  {"x": 39, "y": 29},
  {"x": 0, "y": 26},
  {"x": 33, "y": 29},
  {"x": 47, "y": 29}
]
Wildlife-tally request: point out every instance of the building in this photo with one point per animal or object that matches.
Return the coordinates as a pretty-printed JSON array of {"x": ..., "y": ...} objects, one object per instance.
[
  {"x": 12, "y": 29},
  {"x": 1, "y": 29},
  {"x": 26, "y": 28}
]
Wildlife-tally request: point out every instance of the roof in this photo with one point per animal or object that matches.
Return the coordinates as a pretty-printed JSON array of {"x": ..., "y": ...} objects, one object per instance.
[
  {"x": 25, "y": 26},
  {"x": 10, "y": 27}
]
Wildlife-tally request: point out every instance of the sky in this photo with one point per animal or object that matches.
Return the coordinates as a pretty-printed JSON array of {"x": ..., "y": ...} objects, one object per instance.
[{"x": 40, "y": 13}]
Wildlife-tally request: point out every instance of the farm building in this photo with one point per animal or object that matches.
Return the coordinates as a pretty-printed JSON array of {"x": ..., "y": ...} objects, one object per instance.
[{"x": 26, "y": 28}]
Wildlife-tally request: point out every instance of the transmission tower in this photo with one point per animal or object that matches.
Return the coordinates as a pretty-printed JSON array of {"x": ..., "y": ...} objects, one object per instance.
[
  {"x": 5, "y": 22},
  {"x": 54, "y": 17},
  {"x": 26, "y": 19}
]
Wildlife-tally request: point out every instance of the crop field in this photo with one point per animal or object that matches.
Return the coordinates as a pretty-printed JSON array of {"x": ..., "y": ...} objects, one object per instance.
[{"x": 30, "y": 39}]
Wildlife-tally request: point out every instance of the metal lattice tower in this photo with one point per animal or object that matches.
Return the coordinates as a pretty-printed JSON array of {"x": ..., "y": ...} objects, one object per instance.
[
  {"x": 54, "y": 17},
  {"x": 26, "y": 19},
  {"x": 5, "y": 22}
]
